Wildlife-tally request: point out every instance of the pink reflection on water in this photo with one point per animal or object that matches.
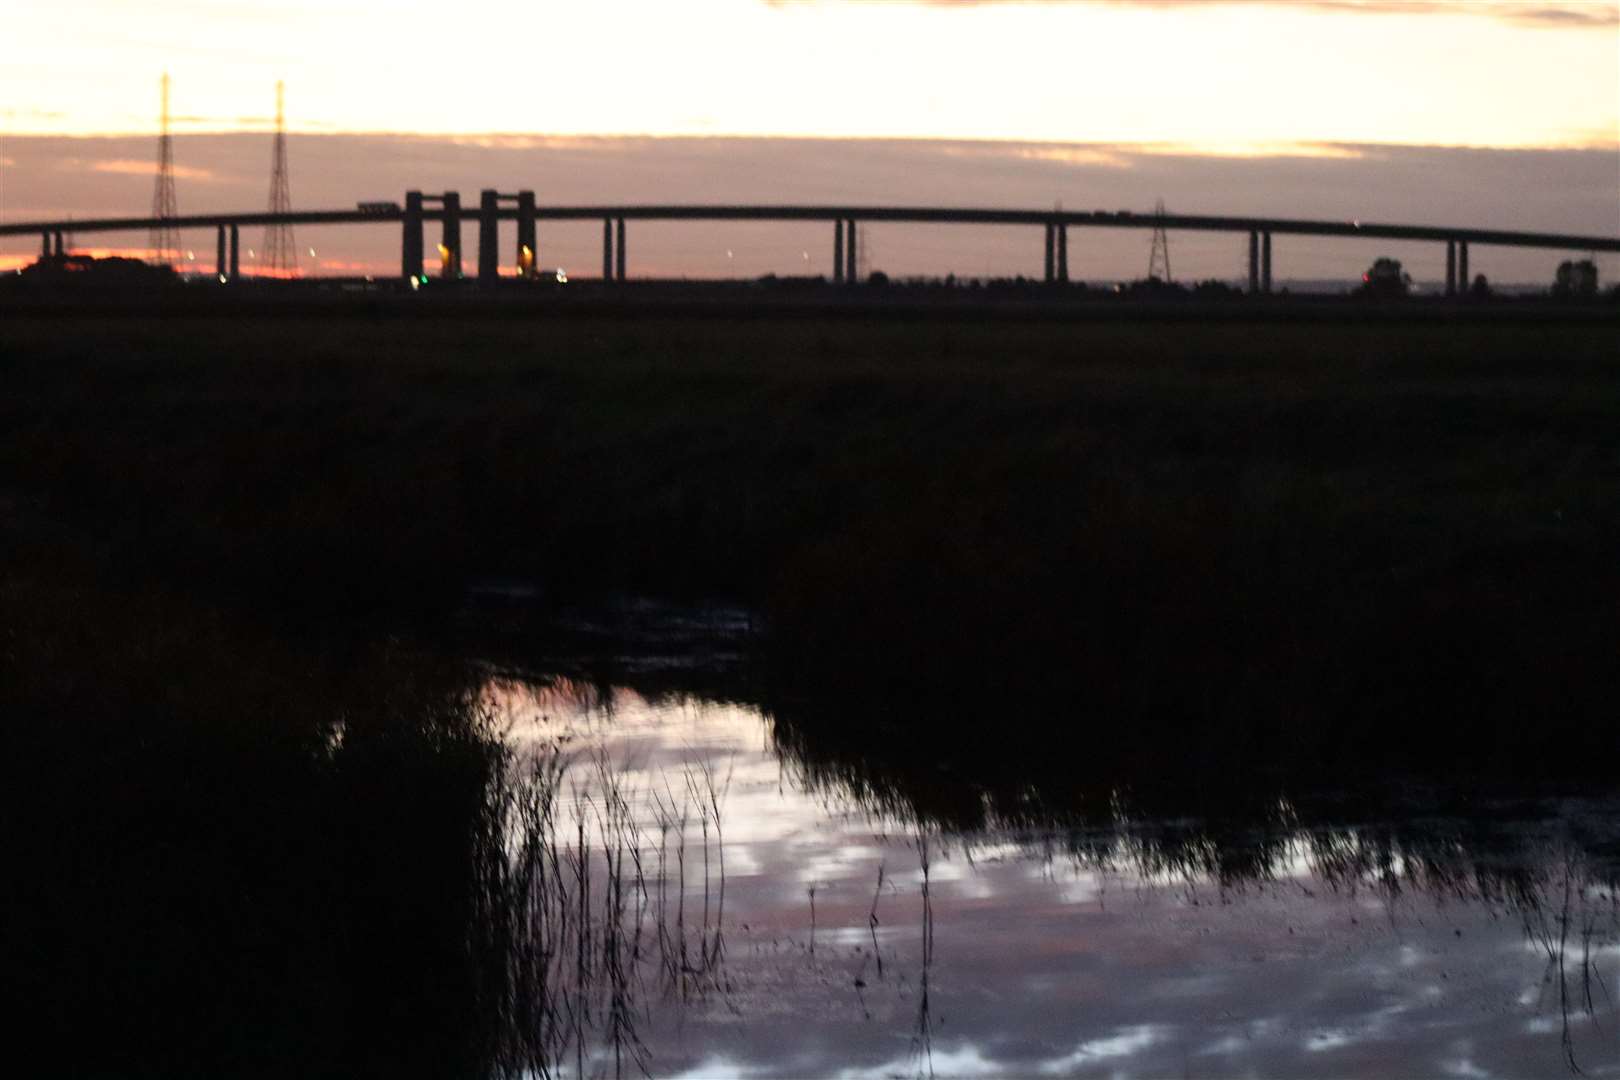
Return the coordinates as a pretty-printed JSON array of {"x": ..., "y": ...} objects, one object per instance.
[{"x": 1045, "y": 965}]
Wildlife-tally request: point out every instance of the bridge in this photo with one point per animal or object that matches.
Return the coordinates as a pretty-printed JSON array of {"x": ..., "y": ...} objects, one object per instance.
[{"x": 495, "y": 207}]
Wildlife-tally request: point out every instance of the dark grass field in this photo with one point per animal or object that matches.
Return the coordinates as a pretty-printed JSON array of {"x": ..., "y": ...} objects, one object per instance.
[
  {"x": 1023, "y": 570},
  {"x": 1340, "y": 540}
]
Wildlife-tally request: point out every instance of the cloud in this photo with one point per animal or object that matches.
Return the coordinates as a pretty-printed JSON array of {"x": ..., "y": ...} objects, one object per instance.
[
  {"x": 1581, "y": 15},
  {"x": 1567, "y": 15},
  {"x": 1124, "y": 1043},
  {"x": 499, "y": 141},
  {"x": 127, "y": 167},
  {"x": 1103, "y": 156},
  {"x": 1263, "y": 149}
]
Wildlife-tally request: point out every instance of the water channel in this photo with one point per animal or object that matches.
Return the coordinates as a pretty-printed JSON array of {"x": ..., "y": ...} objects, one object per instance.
[{"x": 710, "y": 899}]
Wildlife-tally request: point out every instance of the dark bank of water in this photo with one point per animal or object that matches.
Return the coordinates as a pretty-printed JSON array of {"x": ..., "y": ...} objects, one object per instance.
[{"x": 607, "y": 853}]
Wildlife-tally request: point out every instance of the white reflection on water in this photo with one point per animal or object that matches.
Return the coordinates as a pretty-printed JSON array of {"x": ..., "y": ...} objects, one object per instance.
[{"x": 1042, "y": 965}]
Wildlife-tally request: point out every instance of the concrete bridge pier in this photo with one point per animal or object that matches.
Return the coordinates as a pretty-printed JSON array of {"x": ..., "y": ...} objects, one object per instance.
[
  {"x": 236, "y": 253},
  {"x": 61, "y": 247},
  {"x": 1254, "y": 262},
  {"x": 1265, "y": 263},
  {"x": 450, "y": 257},
  {"x": 1451, "y": 268},
  {"x": 410, "y": 257},
  {"x": 851, "y": 275},
  {"x": 1063, "y": 253},
  {"x": 528, "y": 246},
  {"x": 618, "y": 268},
  {"x": 220, "y": 265},
  {"x": 1051, "y": 253},
  {"x": 838, "y": 252},
  {"x": 489, "y": 238},
  {"x": 1462, "y": 266},
  {"x": 45, "y": 244},
  {"x": 607, "y": 249}
]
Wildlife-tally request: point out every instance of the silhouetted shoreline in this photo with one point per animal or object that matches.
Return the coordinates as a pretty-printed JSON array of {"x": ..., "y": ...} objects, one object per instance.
[{"x": 1001, "y": 300}]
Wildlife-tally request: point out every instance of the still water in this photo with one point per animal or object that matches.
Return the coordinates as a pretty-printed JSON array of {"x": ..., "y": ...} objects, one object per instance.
[{"x": 695, "y": 897}]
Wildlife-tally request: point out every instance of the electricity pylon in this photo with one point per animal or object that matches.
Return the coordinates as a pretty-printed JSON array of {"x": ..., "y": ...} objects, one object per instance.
[
  {"x": 1159, "y": 257},
  {"x": 165, "y": 236},
  {"x": 280, "y": 253}
]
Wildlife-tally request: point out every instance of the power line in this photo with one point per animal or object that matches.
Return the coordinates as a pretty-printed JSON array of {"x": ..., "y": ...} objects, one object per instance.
[
  {"x": 280, "y": 253},
  {"x": 165, "y": 236},
  {"x": 1160, "y": 255}
]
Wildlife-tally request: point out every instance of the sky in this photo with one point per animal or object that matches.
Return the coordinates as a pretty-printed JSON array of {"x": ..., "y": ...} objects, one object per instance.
[
  {"x": 1456, "y": 72},
  {"x": 1096, "y": 82}
]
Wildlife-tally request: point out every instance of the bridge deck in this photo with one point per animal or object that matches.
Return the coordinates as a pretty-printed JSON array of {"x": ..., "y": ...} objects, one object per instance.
[{"x": 829, "y": 214}]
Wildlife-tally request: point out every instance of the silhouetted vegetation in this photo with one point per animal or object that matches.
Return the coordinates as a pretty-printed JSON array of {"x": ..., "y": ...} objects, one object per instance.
[
  {"x": 1387, "y": 544},
  {"x": 80, "y": 273},
  {"x": 1576, "y": 279},
  {"x": 190, "y": 801},
  {"x": 231, "y": 853}
]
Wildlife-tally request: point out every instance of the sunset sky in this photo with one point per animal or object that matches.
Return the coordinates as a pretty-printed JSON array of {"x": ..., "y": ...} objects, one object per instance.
[
  {"x": 1454, "y": 72},
  {"x": 1202, "y": 82}
]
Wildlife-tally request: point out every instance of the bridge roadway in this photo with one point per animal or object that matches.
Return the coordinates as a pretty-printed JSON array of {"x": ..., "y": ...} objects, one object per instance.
[{"x": 1056, "y": 223}]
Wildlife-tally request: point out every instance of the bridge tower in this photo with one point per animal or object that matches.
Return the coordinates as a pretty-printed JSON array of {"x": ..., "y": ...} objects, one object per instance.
[
  {"x": 1159, "y": 257},
  {"x": 280, "y": 252},
  {"x": 165, "y": 236}
]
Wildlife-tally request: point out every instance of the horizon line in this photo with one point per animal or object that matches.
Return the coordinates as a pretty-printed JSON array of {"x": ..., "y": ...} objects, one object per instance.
[{"x": 1231, "y": 148}]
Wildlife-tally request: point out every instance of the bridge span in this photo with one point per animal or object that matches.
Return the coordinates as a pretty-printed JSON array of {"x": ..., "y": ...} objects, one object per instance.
[{"x": 495, "y": 207}]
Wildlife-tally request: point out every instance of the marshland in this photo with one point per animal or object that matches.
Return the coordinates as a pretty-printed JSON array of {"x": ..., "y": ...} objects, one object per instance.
[{"x": 525, "y": 695}]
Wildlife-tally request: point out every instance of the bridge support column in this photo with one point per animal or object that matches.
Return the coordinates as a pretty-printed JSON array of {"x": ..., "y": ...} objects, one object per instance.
[
  {"x": 45, "y": 244},
  {"x": 618, "y": 268},
  {"x": 450, "y": 259},
  {"x": 1462, "y": 266},
  {"x": 607, "y": 249},
  {"x": 1254, "y": 263},
  {"x": 528, "y": 247},
  {"x": 1451, "y": 268},
  {"x": 1063, "y": 253},
  {"x": 1051, "y": 253},
  {"x": 838, "y": 252},
  {"x": 1265, "y": 263},
  {"x": 219, "y": 257},
  {"x": 236, "y": 253},
  {"x": 61, "y": 248},
  {"x": 410, "y": 249},
  {"x": 489, "y": 238},
  {"x": 851, "y": 274}
]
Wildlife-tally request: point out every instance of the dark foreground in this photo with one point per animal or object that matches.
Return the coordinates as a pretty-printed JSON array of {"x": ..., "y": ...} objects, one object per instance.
[{"x": 1184, "y": 574}]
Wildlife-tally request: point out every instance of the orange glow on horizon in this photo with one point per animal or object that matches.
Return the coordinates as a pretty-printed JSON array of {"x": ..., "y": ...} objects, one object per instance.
[{"x": 10, "y": 263}]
